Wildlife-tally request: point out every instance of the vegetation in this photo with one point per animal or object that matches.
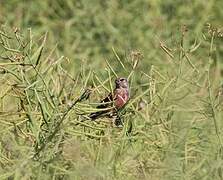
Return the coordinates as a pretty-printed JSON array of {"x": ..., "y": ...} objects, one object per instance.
[{"x": 59, "y": 58}]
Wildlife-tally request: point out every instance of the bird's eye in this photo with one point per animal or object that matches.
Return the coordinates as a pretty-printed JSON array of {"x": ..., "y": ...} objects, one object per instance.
[{"x": 122, "y": 79}]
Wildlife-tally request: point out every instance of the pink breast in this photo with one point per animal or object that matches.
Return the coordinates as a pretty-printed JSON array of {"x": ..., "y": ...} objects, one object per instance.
[{"x": 121, "y": 98}]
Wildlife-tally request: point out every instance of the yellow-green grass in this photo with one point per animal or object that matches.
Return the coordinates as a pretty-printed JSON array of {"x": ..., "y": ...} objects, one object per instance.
[{"x": 59, "y": 58}]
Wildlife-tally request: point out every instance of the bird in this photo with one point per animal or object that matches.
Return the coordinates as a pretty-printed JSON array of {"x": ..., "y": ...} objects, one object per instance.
[{"x": 115, "y": 100}]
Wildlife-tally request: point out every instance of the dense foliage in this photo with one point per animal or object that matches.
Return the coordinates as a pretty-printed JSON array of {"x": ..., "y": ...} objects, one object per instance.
[{"x": 59, "y": 58}]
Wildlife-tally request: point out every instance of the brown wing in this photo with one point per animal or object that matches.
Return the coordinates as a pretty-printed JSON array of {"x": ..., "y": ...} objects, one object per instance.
[{"x": 106, "y": 102}]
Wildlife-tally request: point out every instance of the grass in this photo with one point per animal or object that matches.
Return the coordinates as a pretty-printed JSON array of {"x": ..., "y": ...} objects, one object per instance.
[{"x": 58, "y": 59}]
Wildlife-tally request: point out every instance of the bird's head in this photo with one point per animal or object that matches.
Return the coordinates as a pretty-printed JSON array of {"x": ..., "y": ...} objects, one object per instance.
[{"x": 121, "y": 83}]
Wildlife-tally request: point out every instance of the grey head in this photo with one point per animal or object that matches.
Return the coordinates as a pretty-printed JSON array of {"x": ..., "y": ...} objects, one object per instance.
[{"x": 121, "y": 83}]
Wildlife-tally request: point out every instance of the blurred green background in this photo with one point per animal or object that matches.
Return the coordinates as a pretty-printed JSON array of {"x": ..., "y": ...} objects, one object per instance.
[
  {"x": 88, "y": 29},
  {"x": 178, "y": 132}
]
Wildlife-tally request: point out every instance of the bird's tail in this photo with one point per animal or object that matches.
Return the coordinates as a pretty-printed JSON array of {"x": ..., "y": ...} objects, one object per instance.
[
  {"x": 102, "y": 113},
  {"x": 96, "y": 115}
]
